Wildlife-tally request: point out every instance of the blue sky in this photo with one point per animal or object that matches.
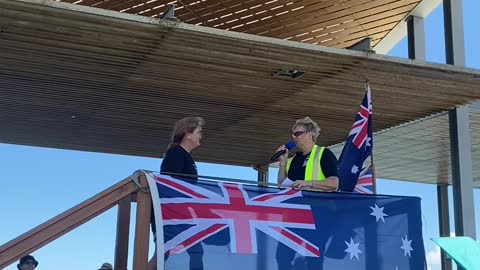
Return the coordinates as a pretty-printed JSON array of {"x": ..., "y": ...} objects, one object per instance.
[{"x": 40, "y": 183}]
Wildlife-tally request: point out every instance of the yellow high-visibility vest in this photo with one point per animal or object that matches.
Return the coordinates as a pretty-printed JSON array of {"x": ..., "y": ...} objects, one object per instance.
[{"x": 313, "y": 169}]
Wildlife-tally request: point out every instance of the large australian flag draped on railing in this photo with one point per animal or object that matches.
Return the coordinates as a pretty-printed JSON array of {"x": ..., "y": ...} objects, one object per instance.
[
  {"x": 357, "y": 150},
  {"x": 216, "y": 225}
]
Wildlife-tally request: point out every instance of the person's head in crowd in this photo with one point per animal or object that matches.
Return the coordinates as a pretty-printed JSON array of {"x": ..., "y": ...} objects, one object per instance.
[
  {"x": 305, "y": 133},
  {"x": 106, "y": 266},
  {"x": 27, "y": 263},
  {"x": 187, "y": 132}
]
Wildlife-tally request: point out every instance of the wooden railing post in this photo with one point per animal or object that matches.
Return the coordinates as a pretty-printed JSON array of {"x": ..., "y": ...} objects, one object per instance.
[
  {"x": 142, "y": 230},
  {"x": 123, "y": 231},
  {"x": 54, "y": 228}
]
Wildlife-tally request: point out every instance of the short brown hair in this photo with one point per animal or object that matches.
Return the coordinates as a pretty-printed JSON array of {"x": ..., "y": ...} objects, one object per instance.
[
  {"x": 309, "y": 125},
  {"x": 184, "y": 126}
]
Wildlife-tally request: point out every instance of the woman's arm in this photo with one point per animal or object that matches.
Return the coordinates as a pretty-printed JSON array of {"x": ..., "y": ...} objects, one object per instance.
[
  {"x": 329, "y": 184},
  {"x": 282, "y": 174},
  {"x": 282, "y": 163}
]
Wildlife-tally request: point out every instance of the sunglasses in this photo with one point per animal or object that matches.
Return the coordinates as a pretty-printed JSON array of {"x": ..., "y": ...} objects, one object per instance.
[{"x": 298, "y": 133}]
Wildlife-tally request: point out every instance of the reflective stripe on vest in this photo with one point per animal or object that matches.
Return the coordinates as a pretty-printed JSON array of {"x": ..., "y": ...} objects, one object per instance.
[{"x": 313, "y": 165}]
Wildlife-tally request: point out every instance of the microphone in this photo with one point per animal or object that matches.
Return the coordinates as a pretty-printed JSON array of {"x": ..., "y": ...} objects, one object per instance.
[{"x": 290, "y": 145}]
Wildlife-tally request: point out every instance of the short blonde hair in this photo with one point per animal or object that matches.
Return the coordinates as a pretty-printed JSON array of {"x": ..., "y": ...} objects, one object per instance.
[{"x": 309, "y": 125}]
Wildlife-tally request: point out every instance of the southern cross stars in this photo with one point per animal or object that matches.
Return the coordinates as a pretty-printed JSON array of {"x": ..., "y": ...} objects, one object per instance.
[
  {"x": 352, "y": 249},
  {"x": 406, "y": 246},
  {"x": 368, "y": 141},
  {"x": 354, "y": 169},
  {"x": 378, "y": 213}
]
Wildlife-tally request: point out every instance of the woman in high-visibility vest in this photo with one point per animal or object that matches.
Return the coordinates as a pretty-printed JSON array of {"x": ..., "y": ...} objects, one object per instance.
[{"x": 312, "y": 166}]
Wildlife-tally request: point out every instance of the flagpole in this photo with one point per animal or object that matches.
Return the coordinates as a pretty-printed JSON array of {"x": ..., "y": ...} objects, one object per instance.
[
  {"x": 374, "y": 178},
  {"x": 372, "y": 164}
]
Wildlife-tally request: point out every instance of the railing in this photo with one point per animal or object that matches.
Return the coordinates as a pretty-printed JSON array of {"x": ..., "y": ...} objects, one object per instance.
[{"x": 131, "y": 189}]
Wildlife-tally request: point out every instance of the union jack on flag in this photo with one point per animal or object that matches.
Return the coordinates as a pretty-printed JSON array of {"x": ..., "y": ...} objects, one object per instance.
[
  {"x": 208, "y": 212},
  {"x": 362, "y": 122},
  {"x": 365, "y": 182},
  {"x": 357, "y": 148}
]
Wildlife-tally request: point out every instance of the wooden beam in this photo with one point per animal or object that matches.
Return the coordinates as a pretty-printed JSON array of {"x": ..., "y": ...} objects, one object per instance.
[
  {"x": 308, "y": 22},
  {"x": 142, "y": 230},
  {"x": 64, "y": 223},
  {"x": 327, "y": 28},
  {"x": 266, "y": 13},
  {"x": 123, "y": 231}
]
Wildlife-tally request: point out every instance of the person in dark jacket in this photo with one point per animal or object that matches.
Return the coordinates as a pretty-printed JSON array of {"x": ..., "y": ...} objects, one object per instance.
[{"x": 187, "y": 134}]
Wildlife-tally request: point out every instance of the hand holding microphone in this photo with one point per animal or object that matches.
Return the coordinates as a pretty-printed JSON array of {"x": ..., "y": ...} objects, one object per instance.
[{"x": 282, "y": 152}]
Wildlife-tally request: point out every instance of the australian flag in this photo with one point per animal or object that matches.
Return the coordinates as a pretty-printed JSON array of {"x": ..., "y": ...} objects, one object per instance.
[
  {"x": 365, "y": 182},
  {"x": 216, "y": 226},
  {"x": 357, "y": 149}
]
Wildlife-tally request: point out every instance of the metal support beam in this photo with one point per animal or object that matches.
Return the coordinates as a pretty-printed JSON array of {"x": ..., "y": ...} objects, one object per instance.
[
  {"x": 416, "y": 38},
  {"x": 444, "y": 221},
  {"x": 363, "y": 45},
  {"x": 416, "y": 50},
  {"x": 169, "y": 13},
  {"x": 462, "y": 181},
  {"x": 453, "y": 25},
  {"x": 262, "y": 176},
  {"x": 460, "y": 146}
]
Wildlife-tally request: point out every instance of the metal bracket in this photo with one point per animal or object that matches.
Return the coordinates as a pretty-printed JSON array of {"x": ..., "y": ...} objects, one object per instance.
[
  {"x": 169, "y": 13},
  {"x": 288, "y": 73},
  {"x": 134, "y": 178},
  {"x": 363, "y": 45}
]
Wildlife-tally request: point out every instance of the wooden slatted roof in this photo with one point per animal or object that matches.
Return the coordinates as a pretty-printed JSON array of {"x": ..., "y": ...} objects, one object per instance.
[
  {"x": 87, "y": 79},
  {"x": 335, "y": 23}
]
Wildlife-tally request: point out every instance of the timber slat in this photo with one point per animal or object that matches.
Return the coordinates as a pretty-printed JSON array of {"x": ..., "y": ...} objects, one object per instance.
[{"x": 278, "y": 18}]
